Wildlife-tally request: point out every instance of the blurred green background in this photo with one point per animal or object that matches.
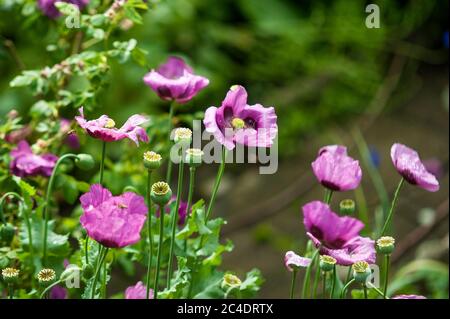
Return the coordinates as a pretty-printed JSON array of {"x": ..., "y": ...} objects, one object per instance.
[{"x": 328, "y": 77}]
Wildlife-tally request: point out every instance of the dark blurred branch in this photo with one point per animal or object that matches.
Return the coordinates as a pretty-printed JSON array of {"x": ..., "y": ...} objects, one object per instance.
[
  {"x": 421, "y": 233},
  {"x": 13, "y": 52}
]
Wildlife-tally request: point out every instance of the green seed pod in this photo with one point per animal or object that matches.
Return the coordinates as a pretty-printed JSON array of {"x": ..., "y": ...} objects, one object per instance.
[
  {"x": 194, "y": 157},
  {"x": 10, "y": 275},
  {"x": 46, "y": 277},
  {"x": 85, "y": 162},
  {"x": 7, "y": 232},
  {"x": 327, "y": 263},
  {"x": 230, "y": 281},
  {"x": 361, "y": 271},
  {"x": 386, "y": 245},
  {"x": 347, "y": 207},
  {"x": 161, "y": 193},
  {"x": 152, "y": 160},
  {"x": 183, "y": 136}
]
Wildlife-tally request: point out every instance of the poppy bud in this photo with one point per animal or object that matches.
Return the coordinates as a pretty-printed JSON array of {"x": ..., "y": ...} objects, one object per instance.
[
  {"x": 69, "y": 273},
  {"x": 161, "y": 193},
  {"x": 152, "y": 160},
  {"x": 88, "y": 271},
  {"x": 194, "y": 157},
  {"x": 385, "y": 245},
  {"x": 347, "y": 207},
  {"x": 183, "y": 136},
  {"x": 84, "y": 161},
  {"x": 230, "y": 281}
]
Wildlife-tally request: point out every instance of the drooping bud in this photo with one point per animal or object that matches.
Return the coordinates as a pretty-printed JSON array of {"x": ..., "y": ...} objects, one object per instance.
[
  {"x": 386, "y": 245},
  {"x": 10, "y": 275},
  {"x": 161, "y": 193},
  {"x": 327, "y": 263},
  {"x": 84, "y": 162},
  {"x": 194, "y": 157},
  {"x": 347, "y": 207},
  {"x": 152, "y": 160},
  {"x": 88, "y": 271},
  {"x": 230, "y": 281},
  {"x": 361, "y": 271}
]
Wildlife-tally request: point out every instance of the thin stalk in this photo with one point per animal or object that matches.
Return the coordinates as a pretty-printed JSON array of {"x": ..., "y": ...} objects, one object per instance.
[
  {"x": 316, "y": 279},
  {"x": 377, "y": 290},
  {"x": 328, "y": 196},
  {"x": 175, "y": 220},
  {"x": 149, "y": 233},
  {"x": 217, "y": 183},
  {"x": 294, "y": 276},
  {"x": 47, "y": 203},
  {"x": 324, "y": 284},
  {"x": 308, "y": 273},
  {"x": 158, "y": 258},
  {"x": 190, "y": 195},
  {"x": 333, "y": 283},
  {"x": 365, "y": 291},
  {"x": 46, "y": 290},
  {"x": 386, "y": 274},
  {"x": 101, "y": 259},
  {"x": 169, "y": 163},
  {"x": 11, "y": 291},
  {"x": 391, "y": 210},
  {"x": 343, "y": 291}
]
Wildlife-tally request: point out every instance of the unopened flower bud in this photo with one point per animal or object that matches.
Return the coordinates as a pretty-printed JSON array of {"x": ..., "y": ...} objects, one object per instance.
[
  {"x": 88, "y": 271},
  {"x": 183, "y": 136},
  {"x": 327, "y": 263},
  {"x": 347, "y": 207},
  {"x": 194, "y": 157},
  {"x": 361, "y": 271},
  {"x": 230, "y": 281},
  {"x": 152, "y": 160},
  {"x": 7, "y": 232},
  {"x": 160, "y": 193},
  {"x": 84, "y": 162},
  {"x": 386, "y": 245},
  {"x": 10, "y": 275},
  {"x": 69, "y": 272},
  {"x": 46, "y": 276}
]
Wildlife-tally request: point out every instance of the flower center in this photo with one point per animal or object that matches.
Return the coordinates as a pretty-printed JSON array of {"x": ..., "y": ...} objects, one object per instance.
[
  {"x": 10, "y": 272},
  {"x": 110, "y": 123},
  {"x": 46, "y": 274},
  {"x": 121, "y": 205},
  {"x": 237, "y": 123}
]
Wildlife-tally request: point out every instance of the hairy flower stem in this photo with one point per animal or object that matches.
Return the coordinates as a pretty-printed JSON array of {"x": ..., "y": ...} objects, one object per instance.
[
  {"x": 365, "y": 291},
  {"x": 174, "y": 221},
  {"x": 316, "y": 279},
  {"x": 101, "y": 258},
  {"x": 149, "y": 233},
  {"x": 170, "y": 125},
  {"x": 308, "y": 273},
  {"x": 26, "y": 217},
  {"x": 328, "y": 196},
  {"x": 386, "y": 273},
  {"x": 324, "y": 284},
  {"x": 190, "y": 195},
  {"x": 391, "y": 210},
  {"x": 47, "y": 289},
  {"x": 344, "y": 290},
  {"x": 158, "y": 258},
  {"x": 217, "y": 183},
  {"x": 333, "y": 283},
  {"x": 47, "y": 204},
  {"x": 11, "y": 291},
  {"x": 294, "y": 276}
]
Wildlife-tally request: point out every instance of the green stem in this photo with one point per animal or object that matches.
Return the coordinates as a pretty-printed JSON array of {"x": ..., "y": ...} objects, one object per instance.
[
  {"x": 101, "y": 256},
  {"x": 324, "y": 284},
  {"x": 2, "y": 199},
  {"x": 46, "y": 290},
  {"x": 365, "y": 291},
  {"x": 377, "y": 290},
  {"x": 149, "y": 233},
  {"x": 386, "y": 274},
  {"x": 174, "y": 221},
  {"x": 316, "y": 279},
  {"x": 158, "y": 258},
  {"x": 102, "y": 163},
  {"x": 190, "y": 195},
  {"x": 11, "y": 291},
  {"x": 169, "y": 163},
  {"x": 345, "y": 288},
  {"x": 391, "y": 210},
  {"x": 294, "y": 276},
  {"x": 47, "y": 203},
  {"x": 333, "y": 283},
  {"x": 217, "y": 183},
  {"x": 328, "y": 196},
  {"x": 308, "y": 273}
]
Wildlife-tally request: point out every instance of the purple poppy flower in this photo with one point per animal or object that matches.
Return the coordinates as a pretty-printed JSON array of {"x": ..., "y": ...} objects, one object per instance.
[
  {"x": 175, "y": 81},
  {"x": 25, "y": 163},
  {"x": 408, "y": 297},
  {"x": 337, "y": 236},
  {"x": 182, "y": 210},
  {"x": 49, "y": 9},
  {"x": 291, "y": 259},
  {"x": 336, "y": 170},
  {"x": 236, "y": 122},
  {"x": 138, "y": 291},
  {"x": 104, "y": 128},
  {"x": 113, "y": 221},
  {"x": 409, "y": 166},
  {"x": 71, "y": 139},
  {"x": 58, "y": 292}
]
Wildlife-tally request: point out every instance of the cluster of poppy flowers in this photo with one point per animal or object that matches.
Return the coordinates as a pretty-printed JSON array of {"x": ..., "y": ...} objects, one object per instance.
[{"x": 337, "y": 238}]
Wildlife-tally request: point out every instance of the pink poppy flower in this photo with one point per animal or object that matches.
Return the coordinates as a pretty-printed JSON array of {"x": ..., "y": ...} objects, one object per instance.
[
  {"x": 291, "y": 259},
  {"x": 409, "y": 166},
  {"x": 113, "y": 221},
  {"x": 236, "y": 122},
  {"x": 336, "y": 170},
  {"x": 337, "y": 236},
  {"x": 104, "y": 128},
  {"x": 182, "y": 210},
  {"x": 138, "y": 291},
  {"x": 408, "y": 297},
  {"x": 175, "y": 81},
  {"x": 49, "y": 9},
  {"x": 25, "y": 163}
]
